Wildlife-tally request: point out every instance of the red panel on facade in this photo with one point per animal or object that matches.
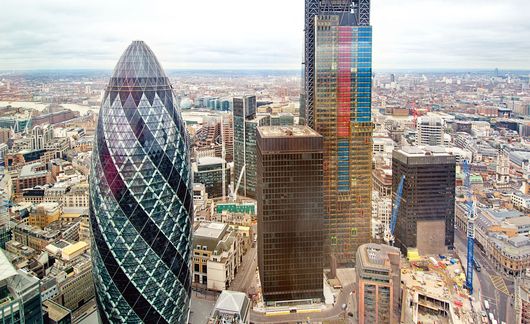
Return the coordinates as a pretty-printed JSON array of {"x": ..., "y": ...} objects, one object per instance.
[{"x": 344, "y": 82}]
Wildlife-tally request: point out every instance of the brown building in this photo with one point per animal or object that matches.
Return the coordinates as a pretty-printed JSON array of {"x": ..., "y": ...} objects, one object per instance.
[
  {"x": 378, "y": 283},
  {"x": 428, "y": 199},
  {"x": 44, "y": 213},
  {"x": 30, "y": 175},
  {"x": 290, "y": 213}
]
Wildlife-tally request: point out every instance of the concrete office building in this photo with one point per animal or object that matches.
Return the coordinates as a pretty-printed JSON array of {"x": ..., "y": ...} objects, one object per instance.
[
  {"x": 290, "y": 213},
  {"x": 426, "y": 216},
  {"x": 430, "y": 131},
  {"x": 378, "y": 283}
]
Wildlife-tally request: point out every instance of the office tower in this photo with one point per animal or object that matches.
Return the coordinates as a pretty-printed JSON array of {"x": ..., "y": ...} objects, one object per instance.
[
  {"x": 430, "y": 131},
  {"x": 20, "y": 297},
  {"x": 245, "y": 124},
  {"x": 290, "y": 213},
  {"x": 338, "y": 78},
  {"x": 209, "y": 171},
  {"x": 378, "y": 283},
  {"x": 141, "y": 196},
  {"x": 426, "y": 215}
]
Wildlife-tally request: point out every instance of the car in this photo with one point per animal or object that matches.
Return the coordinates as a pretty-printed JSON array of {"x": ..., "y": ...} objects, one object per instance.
[
  {"x": 350, "y": 314},
  {"x": 484, "y": 314}
]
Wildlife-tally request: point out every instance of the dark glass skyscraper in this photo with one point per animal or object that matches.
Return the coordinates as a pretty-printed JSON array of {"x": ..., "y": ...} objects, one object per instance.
[
  {"x": 141, "y": 197},
  {"x": 338, "y": 81},
  {"x": 290, "y": 214}
]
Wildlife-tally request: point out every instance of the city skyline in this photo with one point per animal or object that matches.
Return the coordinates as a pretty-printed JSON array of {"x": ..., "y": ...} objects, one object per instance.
[{"x": 412, "y": 35}]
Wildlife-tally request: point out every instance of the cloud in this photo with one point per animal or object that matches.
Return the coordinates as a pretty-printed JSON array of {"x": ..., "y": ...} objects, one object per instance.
[{"x": 257, "y": 34}]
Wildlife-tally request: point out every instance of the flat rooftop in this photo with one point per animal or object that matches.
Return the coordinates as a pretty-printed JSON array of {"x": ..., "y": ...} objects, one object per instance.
[
  {"x": 377, "y": 255},
  {"x": 412, "y": 151},
  {"x": 210, "y": 230},
  {"x": 287, "y": 131}
]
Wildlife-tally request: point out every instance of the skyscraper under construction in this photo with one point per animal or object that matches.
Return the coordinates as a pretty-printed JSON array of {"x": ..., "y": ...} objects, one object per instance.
[{"x": 337, "y": 104}]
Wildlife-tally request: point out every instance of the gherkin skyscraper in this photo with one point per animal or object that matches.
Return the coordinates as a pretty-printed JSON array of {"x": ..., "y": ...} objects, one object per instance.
[{"x": 140, "y": 197}]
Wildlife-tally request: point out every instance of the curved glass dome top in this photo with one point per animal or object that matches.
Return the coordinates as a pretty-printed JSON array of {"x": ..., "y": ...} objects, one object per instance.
[{"x": 138, "y": 61}]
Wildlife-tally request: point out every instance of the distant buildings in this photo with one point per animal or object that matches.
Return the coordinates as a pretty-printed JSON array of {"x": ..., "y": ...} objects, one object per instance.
[
  {"x": 209, "y": 171},
  {"x": 231, "y": 307},
  {"x": 426, "y": 214},
  {"x": 290, "y": 213},
  {"x": 20, "y": 297},
  {"x": 378, "y": 283},
  {"x": 141, "y": 200},
  {"x": 338, "y": 83}
]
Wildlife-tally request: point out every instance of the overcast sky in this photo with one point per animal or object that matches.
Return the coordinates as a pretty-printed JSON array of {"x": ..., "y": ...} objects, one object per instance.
[{"x": 265, "y": 34}]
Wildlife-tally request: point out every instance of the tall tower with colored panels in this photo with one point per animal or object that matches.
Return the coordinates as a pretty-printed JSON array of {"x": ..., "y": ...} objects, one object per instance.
[
  {"x": 141, "y": 200},
  {"x": 338, "y": 106}
]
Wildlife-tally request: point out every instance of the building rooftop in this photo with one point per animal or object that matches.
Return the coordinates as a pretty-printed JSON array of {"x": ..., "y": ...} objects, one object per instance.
[
  {"x": 210, "y": 230},
  {"x": 74, "y": 248},
  {"x": 377, "y": 255},
  {"x": 55, "y": 311},
  {"x": 287, "y": 131},
  {"x": 208, "y": 160},
  {"x": 232, "y": 303},
  {"x": 519, "y": 221},
  {"x": 411, "y": 151},
  {"x": 7, "y": 270},
  {"x": 29, "y": 170}
]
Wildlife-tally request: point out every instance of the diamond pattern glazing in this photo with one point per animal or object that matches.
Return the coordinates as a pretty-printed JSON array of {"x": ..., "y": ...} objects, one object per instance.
[{"x": 140, "y": 197}]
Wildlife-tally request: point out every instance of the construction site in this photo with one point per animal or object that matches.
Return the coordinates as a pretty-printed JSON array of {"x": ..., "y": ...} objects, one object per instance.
[{"x": 433, "y": 290}]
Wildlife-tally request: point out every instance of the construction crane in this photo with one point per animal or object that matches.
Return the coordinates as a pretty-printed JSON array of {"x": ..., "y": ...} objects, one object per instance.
[
  {"x": 234, "y": 194},
  {"x": 470, "y": 227},
  {"x": 389, "y": 231}
]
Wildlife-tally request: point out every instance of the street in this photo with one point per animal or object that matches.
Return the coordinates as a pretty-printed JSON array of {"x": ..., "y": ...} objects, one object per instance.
[{"x": 496, "y": 288}]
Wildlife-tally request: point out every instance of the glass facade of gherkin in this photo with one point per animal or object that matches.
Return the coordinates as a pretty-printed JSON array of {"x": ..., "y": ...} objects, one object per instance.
[{"x": 140, "y": 197}]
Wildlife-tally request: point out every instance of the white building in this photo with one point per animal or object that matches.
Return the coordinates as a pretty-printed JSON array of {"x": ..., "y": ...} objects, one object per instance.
[
  {"x": 520, "y": 201},
  {"x": 430, "y": 131},
  {"x": 217, "y": 255},
  {"x": 40, "y": 136}
]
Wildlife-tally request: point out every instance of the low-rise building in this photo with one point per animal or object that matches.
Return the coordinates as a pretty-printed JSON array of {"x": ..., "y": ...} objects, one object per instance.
[
  {"x": 45, "y": 213},
  {"x": 35, "y": 237},
  {"x": 521, "y": 201},
  {"x": 55, "y": 313},
  {"x": 75, "y": 285},
  {"x": 31, "y": 175},
  {"x": 217, "y": 254},
  {"x": 231, "y": 307}
]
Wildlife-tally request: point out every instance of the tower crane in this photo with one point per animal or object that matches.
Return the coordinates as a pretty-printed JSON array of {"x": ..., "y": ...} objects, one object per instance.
[
  {"x": 471, "y": 216},
  {"x": 234, "y": 194},
  {"x": 389, "y": 231}
]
